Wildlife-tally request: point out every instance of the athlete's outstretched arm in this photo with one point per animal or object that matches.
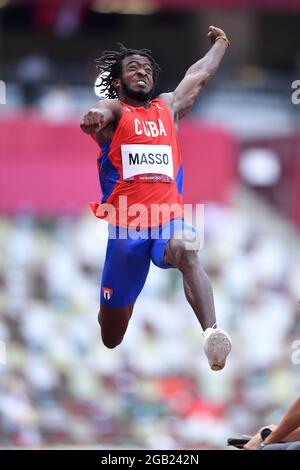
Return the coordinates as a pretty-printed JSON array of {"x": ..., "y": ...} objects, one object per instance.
[
  {"x": 98, "y": 118},
  {"x": 183, "y": 97},
  {"x": 289, "y": 423},
  {"x": 288, "y": 430}
]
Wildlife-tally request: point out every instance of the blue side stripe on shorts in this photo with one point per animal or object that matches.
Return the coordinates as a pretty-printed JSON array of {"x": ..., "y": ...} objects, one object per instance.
[{"x": 108, "y": 174}]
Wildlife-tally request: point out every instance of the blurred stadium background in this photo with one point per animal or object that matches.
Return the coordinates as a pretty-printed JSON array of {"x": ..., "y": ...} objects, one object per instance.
[{"x": 60, "y": 387}]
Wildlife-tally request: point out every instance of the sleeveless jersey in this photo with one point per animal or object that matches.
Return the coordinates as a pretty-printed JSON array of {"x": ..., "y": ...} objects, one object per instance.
[{"x": 140, "y": 169}]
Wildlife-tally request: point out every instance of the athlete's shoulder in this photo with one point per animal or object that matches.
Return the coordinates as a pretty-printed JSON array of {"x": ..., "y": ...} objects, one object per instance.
[
  {"x": 110, "y": 102},
  {"x": 167, "y": 99},
  {"x": 159, "y": 102},
  {"x": 114, "y": 105}
]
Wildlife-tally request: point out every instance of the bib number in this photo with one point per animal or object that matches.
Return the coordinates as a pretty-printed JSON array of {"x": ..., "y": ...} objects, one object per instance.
[{"x": 147, "y": 163}]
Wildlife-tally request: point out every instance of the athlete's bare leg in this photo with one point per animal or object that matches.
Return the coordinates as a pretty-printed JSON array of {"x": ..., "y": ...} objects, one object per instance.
[
  {"x": 196, "y": 284},
  {"x": 113, "y": 322},
  {"x": 217, "y": 344}
]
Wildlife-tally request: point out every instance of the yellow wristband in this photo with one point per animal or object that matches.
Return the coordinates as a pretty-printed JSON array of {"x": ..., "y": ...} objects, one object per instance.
[{"x": 224, "y": 39}]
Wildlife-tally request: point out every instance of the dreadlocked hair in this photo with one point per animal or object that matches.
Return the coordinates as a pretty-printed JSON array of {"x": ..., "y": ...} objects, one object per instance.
[{"x": 110, "y": 66}]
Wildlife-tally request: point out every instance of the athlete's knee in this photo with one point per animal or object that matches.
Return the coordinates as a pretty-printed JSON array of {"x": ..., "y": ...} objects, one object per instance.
[
  {"x": 188, "y": 258},
  {"x": 182, "y": 254},
  {"x": 110, "y": 343},
  {"x": 113, "y": 324},
  {"x": 109, "y": 337}
]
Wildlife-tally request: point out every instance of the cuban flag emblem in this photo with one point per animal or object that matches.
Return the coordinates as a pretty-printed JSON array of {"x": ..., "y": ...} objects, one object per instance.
[{"x": 107, "y": 293}]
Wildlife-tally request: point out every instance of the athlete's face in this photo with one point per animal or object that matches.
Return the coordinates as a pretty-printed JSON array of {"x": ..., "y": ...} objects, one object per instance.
[{"x": 136, "y": 81}]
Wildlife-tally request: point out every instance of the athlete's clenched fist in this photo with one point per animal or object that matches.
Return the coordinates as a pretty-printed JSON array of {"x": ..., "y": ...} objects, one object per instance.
[{"x": 93, "y": 121}]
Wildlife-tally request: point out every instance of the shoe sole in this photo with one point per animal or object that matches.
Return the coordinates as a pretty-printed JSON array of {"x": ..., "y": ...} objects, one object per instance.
[{"x": 219, "y": 346}]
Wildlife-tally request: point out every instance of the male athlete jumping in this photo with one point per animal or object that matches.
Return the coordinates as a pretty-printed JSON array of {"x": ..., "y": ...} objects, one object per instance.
[{"x": 140, "y": 174}]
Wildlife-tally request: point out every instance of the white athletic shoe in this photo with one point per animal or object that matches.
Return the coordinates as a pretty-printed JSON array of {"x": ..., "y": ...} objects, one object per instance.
[{"x": 217, "y": 346}]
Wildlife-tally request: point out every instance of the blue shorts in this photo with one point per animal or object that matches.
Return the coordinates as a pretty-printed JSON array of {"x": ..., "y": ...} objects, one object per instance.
[{"x": 128, "y": 257}]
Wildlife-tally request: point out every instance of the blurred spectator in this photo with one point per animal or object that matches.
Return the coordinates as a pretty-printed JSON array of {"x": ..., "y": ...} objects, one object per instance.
[
  {"x": 32, "y": 72},
  {"x": 57, "y": 105}
]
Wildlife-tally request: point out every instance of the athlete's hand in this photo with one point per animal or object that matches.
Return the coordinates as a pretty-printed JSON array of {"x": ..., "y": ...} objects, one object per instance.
[
  {"x": 92, "y": 122},
  {"x": 214, "y": 32},
  {"x": 254, "y": 442}
]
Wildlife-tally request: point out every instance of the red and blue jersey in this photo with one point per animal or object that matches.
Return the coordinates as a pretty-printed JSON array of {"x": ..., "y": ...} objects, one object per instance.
[{"x": 140, "y": 169}]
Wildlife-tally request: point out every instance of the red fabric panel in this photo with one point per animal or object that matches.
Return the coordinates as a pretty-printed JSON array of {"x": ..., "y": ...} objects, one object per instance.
[
  {"x": 51, "y": 168},
  {"x": 209, "y": 158}
]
